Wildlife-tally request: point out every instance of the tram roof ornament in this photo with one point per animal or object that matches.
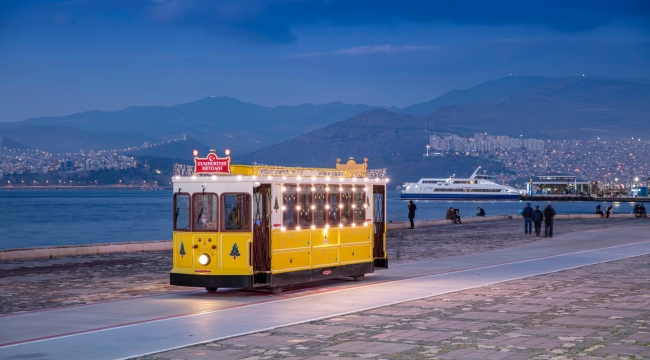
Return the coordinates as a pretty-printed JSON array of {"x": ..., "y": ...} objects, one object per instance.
[{"x": 212, "y": 164}]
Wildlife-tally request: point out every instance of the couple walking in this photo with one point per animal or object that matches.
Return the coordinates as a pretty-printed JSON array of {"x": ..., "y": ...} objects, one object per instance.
[{"x": 536, "y": 217}]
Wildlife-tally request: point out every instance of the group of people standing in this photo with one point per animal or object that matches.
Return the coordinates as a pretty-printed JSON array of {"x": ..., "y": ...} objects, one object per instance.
[{"x": 536, "y": 217}]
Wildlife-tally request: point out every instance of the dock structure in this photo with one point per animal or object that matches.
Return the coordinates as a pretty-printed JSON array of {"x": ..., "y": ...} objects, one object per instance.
[{"x": 557, "y": 184}]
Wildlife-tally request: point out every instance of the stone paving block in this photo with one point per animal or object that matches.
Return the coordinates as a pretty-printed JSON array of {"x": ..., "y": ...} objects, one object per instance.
[
  {"x": 608, "y": 313},
  {"x": 641, "y": 337},
  {"x": 539, "y": 301},
  {"x": 594, "y": 290},
  {"x": 565, "y": 295},
  {"x": 360, "y": 320},
  {"x": 414, "y": 335},
  {"x": 638, "y": 298},
  {"x": 480, "y": 315},
  {"x": 625, "y": 305},
  {"x": 555, "y": 331},
  {"x": 312, "y": 329},
  {"x": 370, "y": 347},
  {"x": 270, "y": 340},
  {"x": 570, "y": 320},
  {"x": 482, "y": 355},
  {"x": 457, "y": 325},
  {"x": 451, "y": 297},
  {"x": 524, "y": 342},
  {"x": 624, "y": 350},
  {"x": 519, "y": 308},
  {"x": 396, "y": 311},
  {"x": 447, "y": 304}
]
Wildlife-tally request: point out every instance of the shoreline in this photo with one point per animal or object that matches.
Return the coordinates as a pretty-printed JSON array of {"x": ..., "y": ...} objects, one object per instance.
[{"x": 57, "y": 251}]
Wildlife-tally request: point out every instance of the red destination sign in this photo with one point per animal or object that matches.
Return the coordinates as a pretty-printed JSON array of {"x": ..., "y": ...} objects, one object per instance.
[{"x": 212, "y": 165}]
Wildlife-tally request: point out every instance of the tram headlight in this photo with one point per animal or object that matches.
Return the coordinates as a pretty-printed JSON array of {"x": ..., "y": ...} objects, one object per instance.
[{"x": 204, "y": 259}]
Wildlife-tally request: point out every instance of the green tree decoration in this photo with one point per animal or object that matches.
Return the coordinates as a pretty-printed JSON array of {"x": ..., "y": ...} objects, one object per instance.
[
  {"x": 182, "y": 252},
  {"x": 234, "y": 252},
  {"x": 275, "y": 206}
]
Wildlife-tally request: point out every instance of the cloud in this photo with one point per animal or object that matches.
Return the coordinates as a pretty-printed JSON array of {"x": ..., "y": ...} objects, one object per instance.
[
  {"x": 368, "y": 49},
  {"x": 276, "y": 20}
]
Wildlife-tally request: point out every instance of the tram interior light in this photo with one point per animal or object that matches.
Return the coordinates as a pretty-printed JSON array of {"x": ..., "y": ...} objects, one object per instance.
[
  {"x": 204, "y": 259},
  {"x": 298, "y": 228}
]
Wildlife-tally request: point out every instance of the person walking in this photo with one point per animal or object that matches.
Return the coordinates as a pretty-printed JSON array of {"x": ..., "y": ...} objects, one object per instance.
[
  {"x": 538, "y": 216},
  {"x": 527, "y": 213},
  {"x": 549, "y": 214},
  {"x": 412, "y": 209},
  {"x": 480, "y": 212}
]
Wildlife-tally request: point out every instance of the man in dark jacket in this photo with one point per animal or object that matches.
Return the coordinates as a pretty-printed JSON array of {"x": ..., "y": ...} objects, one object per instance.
[
  {"x": 549, "y": 214},
  {"x": 538, "y": 216},
  {"x": 412, "y": 209},
  {"x": 480, "y": 212},
  {"x": 527, "y": 213}
]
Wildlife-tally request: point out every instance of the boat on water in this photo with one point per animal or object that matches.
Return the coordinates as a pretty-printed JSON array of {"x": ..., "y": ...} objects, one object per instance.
[{"x": 476, "y": 187}]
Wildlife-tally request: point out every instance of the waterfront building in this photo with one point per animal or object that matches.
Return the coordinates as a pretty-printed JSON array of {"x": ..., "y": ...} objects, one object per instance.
[{"x": 557, "y": 184}]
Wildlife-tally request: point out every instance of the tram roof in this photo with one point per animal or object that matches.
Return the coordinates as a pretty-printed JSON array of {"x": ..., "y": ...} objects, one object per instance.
[{"x": 350, "y": 170}]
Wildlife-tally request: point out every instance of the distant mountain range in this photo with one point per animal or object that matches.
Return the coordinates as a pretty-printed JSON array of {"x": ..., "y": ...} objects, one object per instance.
[
  {"x": 388, "y": 140},
  {"x": 539, "y": 107}
]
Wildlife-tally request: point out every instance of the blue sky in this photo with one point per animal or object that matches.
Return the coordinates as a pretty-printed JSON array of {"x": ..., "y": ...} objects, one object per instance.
[{"x": 61, "y": 57}]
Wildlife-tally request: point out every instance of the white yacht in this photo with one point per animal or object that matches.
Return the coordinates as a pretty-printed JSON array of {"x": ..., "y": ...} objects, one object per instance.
[{"x": 476, "y": 187}]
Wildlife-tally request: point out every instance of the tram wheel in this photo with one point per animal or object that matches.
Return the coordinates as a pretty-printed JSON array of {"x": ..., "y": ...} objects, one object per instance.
[
  {"x": 276, "y": 289},
  {"x": 359, "y": 277},
  {"x": 211, "y": 289}
]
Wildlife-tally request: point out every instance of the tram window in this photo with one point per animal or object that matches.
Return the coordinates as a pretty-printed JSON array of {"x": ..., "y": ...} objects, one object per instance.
[
  {"x": 319, "y": 205},
  {"x": 181, "y": 212},
  {"x": 346, "y": 202},
  {"x": 304, "y": 201},
  {"x": 332, "y": 206},
  {"x": 236, "y": 212},
  {"x": 289, "y": 199},
  {"x": 204, "y": 212},
  {"x": 359, "y": 202}
]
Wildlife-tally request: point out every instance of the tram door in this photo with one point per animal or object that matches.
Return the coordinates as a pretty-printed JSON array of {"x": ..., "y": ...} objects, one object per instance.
[
  {"x": 379, "y": 226},
  {"x": 261, "y": 227}
]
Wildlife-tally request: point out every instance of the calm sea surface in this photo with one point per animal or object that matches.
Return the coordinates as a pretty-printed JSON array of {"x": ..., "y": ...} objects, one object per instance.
[{"x": 30, "y": 218}]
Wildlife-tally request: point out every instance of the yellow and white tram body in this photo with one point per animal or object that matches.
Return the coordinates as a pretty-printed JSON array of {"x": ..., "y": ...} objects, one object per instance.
[{"x": 270, "y": 226}]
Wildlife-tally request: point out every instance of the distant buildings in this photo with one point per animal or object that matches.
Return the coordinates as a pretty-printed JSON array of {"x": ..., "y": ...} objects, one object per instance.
[{"x": 612, "y": 163}]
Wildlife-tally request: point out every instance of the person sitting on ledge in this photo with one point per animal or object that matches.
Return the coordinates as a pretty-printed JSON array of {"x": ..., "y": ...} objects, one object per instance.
[
  {"x": 599, "y": 211},
  {"x": 480, "y": 212}
]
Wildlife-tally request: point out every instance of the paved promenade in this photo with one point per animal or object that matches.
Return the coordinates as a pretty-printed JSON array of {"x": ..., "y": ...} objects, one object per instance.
[
  {"x": 595, "y": 312},
  {"x": 51, "y": 283},
  {"x": 408, "y": 311}
]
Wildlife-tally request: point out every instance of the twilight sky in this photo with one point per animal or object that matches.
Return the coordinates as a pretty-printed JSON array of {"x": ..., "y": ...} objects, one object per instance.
[{"x": 61, "y": 57}]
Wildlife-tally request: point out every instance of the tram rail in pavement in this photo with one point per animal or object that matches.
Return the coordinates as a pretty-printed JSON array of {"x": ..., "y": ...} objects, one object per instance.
[{"x": 129, "y": 328}]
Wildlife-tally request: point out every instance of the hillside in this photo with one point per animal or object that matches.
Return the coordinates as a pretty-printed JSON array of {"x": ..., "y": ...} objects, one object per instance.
[
  {"x": 216, "y": 121},
  {"x": 177, "y": 149},
  {"x": 390, "y": 140},
  {"x": 562, "y": 110},
  {"x": 62, "y": 139}
]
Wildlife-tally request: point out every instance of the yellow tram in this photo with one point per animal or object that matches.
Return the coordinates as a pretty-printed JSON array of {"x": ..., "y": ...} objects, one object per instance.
[{"x": 241, "y": 226}]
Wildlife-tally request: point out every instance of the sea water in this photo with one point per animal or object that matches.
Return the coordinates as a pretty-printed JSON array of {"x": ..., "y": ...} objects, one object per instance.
[{"x": 31, "y": 218}]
